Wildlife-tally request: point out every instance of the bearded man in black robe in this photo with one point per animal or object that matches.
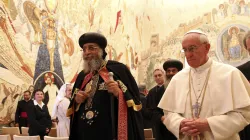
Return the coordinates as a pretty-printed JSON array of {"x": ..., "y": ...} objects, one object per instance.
[{"x": 105, "y": 103}]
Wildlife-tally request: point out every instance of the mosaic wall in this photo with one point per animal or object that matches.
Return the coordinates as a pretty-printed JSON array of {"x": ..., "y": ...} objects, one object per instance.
[{"x": 38, "y": 38}]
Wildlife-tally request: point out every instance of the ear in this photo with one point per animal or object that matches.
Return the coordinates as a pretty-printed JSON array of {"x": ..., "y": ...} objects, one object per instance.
[{"x": 207, "y": 47}]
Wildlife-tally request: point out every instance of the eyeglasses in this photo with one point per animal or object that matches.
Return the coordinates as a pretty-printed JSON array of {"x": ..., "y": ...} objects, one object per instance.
[
  {"x": 191, "y": 49},
  {"x": 90, "y": 48}
]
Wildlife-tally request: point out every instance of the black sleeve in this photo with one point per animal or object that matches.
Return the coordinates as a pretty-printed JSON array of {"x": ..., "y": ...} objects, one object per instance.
[
  {"x": 49, "y": 119},
  {"x": 153, "y": 112},
  {"x": 49, "y": 122},
  {"x": 145, "y": 112},
  {"x": 17, "y": 113},
  {"x": 34, "y": 124},
  {"x": 156, "y": 117}
]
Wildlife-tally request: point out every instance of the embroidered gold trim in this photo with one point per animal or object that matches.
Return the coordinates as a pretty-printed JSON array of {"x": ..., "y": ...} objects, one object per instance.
[
  {"x": 131, "y": 103},
  {"x": 104, "y": 63},
  {"x": 102, "y": 86},
  {"x": 76, "y": 90},
  {"x": 122, "y": 86},
  {"x": 69, "y": 112}
]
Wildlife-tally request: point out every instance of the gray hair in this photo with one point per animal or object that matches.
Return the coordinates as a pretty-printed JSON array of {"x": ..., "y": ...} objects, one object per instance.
[
  {"x": 142, "y": 87},
  {"x": 247, "y": 36},
  {"x": 158, "y": 69}
]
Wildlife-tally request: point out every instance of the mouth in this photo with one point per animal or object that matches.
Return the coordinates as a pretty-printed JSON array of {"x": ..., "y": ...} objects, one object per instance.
[
  {"x": 190, "y": 59},
  {"x": 87, "y": 58}
]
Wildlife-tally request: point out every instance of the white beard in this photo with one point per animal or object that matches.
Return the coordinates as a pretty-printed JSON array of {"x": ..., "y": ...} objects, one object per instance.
[{"x": 92, "y": 65}]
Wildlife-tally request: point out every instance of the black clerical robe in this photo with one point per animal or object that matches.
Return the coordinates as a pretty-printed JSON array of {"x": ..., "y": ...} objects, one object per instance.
[
  {"x": 159, "y": 129},
  {"x": 103, "y": 122},
  {"x": 21, "y": 116},
  {"x": 145, "y": 112},
  {"x": 245, "y": 69},
  {"x": 38, "y": 119}
]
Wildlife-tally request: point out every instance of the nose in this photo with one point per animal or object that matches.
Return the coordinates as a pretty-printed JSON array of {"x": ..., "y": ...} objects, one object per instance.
[
  {"x": 86, "y": 52},
  {"x": 188, "y": 54},
  {"x": 171, "y": 72}
]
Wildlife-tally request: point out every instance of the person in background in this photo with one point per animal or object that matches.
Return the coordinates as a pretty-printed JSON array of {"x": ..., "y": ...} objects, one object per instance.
[
  {"x": 171, "y": 67},
  {"x": 143, "y": 93},
  {"x": 155, "y": 114},
  {"x": 245, "y": 69},
  {"x": 21, "y": 116},
  {"x": 60, "y": 109},
  {"x": 38, "y": 116},
  {"x": 31, "y": 88}
]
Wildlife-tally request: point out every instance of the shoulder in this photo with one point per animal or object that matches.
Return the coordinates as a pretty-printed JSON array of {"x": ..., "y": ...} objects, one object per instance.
[
  {"x": 223, "y": 68},
  {"x": 64, "y": 100},
  {"x": 31, "y": 101},
  {"x": 181, "y": 74},
  {"x": 245, "y": 66},
  {"x": 19, "y": 102},
  {"x": 31, "y": 104},
  {"x": 152, "y": 89},
  {"x": 115, "y": 64},
  {"x": 81, "y": 74}
]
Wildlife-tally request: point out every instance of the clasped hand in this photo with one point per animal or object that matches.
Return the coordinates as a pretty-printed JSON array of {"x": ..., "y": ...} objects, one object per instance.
[{"x": 193, "y": 127}]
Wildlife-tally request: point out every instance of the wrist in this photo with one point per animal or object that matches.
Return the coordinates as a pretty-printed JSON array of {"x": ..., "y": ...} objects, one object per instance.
[{"x": 207, "y": 126}]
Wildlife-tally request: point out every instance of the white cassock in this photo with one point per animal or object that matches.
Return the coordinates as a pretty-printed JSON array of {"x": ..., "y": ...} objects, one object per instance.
[
  {"x": 226, "y": 103},
  {"x": 60, "y": 108},
  {"x": 63, "y": 124}
]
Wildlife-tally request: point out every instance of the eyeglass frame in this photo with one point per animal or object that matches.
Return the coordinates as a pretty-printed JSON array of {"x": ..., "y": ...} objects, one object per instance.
[
  {"x": 90, "y": 48},
  {"x": 192, "y": 48}
]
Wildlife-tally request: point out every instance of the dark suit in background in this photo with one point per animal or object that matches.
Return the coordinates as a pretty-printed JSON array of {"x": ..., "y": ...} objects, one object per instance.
[{"x": 159, "y": 129}]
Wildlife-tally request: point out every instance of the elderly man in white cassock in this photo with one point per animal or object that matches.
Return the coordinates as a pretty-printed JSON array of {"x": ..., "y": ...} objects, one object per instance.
[{"x": 208, "y": 100}]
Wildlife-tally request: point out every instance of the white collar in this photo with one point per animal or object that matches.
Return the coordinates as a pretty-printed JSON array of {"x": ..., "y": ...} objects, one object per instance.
[
  {"x": 36, "y": 103},
  {"x": 204, "y": 66},
  {"x": 160, "y": 85}
]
